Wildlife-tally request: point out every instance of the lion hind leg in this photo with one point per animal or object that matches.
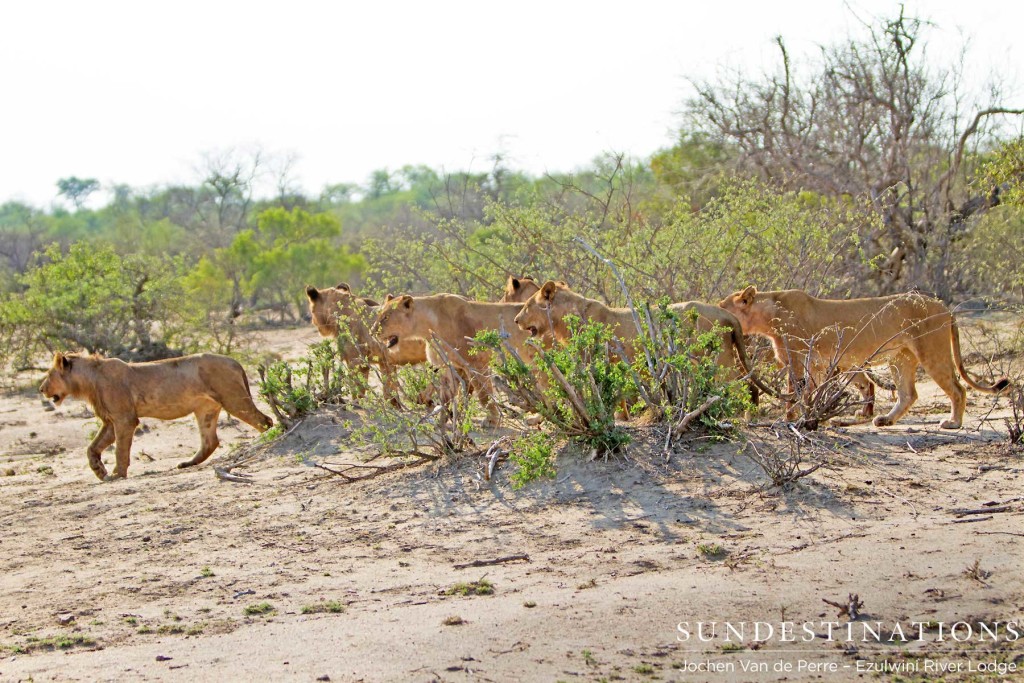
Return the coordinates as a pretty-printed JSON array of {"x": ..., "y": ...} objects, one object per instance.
[
  {"x": 904, "y": 368},
  {"x": 206, "y": 418},
  {"x": 241, "y": 406},
  {"x": 945, "y": 376}
]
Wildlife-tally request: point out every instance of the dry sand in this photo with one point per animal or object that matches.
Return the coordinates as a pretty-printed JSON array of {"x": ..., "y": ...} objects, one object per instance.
[{"x": 149, "y": 578}]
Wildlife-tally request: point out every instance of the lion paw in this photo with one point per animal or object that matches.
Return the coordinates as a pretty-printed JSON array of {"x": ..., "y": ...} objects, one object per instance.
[
  {"x": 949, "y": 424},
  {"x": 882, "y": 421}
]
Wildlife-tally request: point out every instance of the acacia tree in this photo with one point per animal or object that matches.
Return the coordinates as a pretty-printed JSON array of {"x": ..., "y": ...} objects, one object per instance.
[{"x": 874, "y": 120}]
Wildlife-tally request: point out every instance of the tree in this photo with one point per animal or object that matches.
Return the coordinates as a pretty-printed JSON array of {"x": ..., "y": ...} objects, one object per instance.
[
  {"x": 875, "y": 120},
  {"x": 77, "y": 190}
]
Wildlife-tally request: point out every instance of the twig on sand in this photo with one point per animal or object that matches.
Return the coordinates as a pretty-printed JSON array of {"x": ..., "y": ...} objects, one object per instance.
[
  {"x": 225, "y": 475},
  {"x": 498, "y": 560},
  {"x": 1002, "y": 533},
  {"x": 982, "y": 511},
  {"x": 972, "y": 519},
  {"x": 850, "y": 609},
  {"x": 375, "y": 470},
  {"x": 684, "y": 422}
]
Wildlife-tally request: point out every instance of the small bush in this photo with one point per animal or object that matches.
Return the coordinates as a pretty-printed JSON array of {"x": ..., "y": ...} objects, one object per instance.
[
  {"x": 330, "y": 607},
  {"x": 481, "y": 587},
  {"x": 259, "y": 609},
  {"x": 293, "y": 390},
  {"x": 533, "y": 457}
]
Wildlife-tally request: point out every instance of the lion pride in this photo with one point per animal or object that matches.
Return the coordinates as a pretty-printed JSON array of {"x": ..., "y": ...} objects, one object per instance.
[
  {"x": 543, "y": 315},
  {"x": 905, "y": 330},
  {"x": 120, "y": 393}
]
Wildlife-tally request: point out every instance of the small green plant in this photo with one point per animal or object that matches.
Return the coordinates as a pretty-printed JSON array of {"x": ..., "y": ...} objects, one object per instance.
[
  {"x": 259, "y": 609},
  {"x": 170, "y": 629},
  {"x": 196, "y": 629},
  {"x": 575, "y": 387},
  {"x": 131, "y": 621},
  {"x": 293, "y": 390},
  {"x": 643, "y": 669},
  {"x": 732, "y": 647},
  {"x": 453, "y": 621},
  {"x": 588, "y": 658},
  {"x": 711, "y": 551},
  {"x": 479, "y": 587},
  {"x": 45, "y": 470},
  {"x": 143, "y": 630},
  {"x": 206, "y": 572},
  {"x": 331, "y": 607},
  {"x": 533, "y": 457}
]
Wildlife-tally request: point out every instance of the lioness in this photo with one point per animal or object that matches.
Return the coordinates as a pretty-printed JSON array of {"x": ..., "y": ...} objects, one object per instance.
[
  {"x": 519, "y": 289},
  {"x": 543, "y": 315},
  {"x": 337, "y": 305},
  {"x": 453, "y": 319},
  {"x": 120, "y": 393},
  {"x": 906, "y": 330}
]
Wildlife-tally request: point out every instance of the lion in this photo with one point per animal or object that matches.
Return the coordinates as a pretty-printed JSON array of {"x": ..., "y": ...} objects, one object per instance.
[
  {"x": 518, "y": 290},
  {"x": 332, "y": 307},
  {"x": 543, "y": 315},
  {"x": 904, "y": 330},
  {"x": 120, "y": 393},
  {"x": 454, "y": 320}
]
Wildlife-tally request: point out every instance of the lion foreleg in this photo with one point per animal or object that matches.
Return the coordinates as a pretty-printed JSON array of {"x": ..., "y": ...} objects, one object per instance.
[
  {"x": 124, "y": 432},
  {"x": 103, "y": 439}
]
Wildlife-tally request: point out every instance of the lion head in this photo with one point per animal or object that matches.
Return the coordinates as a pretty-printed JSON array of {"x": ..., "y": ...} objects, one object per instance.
[
  {"x": 754, "y": 316},
  {"x": 327, "y": 306},
  {"x": 519, "y": 289},
  {"x": 56, "y": 385},
  {"x": 395, "y": 321},
  {"x": 543, "y": 312}
]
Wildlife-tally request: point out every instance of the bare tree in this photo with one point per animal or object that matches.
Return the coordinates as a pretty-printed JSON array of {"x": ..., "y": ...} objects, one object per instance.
[{"x": 873, "y": 120}]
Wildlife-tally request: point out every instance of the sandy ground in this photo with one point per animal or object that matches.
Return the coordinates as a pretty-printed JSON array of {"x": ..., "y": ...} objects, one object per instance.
[{"x": 150, "y": 578}]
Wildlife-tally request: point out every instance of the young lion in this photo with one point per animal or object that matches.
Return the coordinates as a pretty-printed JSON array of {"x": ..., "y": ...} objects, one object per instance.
[
  {"x": 334, "y": 306},
  {"x": 906, "y": 330},
  {"x": 454, "y": 320},
  {"x": 543, "y": 315},
  {"x": 518, "y": 289},
  {"x": 120, "y": 393}
]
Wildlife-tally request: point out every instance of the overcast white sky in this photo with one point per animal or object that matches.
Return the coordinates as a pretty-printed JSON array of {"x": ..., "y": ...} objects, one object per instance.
[{"x": 137, "y": 92}]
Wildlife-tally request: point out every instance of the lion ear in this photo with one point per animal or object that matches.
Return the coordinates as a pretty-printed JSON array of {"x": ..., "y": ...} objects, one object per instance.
[
  {"x": 312, "y": 293},
  {"x": 548, "y": 290},
  {"x": 513, "y": 282},
  {"x": 61, "y": 361},
  {"x": 343, "y": 286},
  {"x": 406, "y": 301},
  {"x": 388, "y": 298},
  {"x": 747, "y": 297}
]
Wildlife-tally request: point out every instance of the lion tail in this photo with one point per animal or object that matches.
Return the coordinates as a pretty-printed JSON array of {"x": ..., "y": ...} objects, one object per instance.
[{"x": 996, "y": 387}]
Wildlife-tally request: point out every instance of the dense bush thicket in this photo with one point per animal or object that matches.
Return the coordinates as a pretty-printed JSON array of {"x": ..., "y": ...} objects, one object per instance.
[{"x": 898, "y": 183}]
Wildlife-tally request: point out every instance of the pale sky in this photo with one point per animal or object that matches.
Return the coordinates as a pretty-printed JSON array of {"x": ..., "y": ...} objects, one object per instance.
[{"x": 137, "y": 92}]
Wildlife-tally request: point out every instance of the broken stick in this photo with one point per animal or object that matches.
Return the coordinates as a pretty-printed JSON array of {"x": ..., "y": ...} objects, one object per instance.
[{"x": 497, "y": 560}]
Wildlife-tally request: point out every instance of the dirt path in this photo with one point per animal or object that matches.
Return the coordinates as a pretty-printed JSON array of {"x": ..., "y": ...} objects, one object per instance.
[{"x": 150, "y": 578}]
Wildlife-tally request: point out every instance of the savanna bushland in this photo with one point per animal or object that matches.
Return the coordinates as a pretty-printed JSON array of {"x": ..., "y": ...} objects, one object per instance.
[{"x": 622, "y": 492}]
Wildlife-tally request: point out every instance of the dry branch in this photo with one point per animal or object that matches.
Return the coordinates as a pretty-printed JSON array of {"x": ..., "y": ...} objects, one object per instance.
[
  {"x": 849, "y": 609},
  {"x": 498, "y": 560}
]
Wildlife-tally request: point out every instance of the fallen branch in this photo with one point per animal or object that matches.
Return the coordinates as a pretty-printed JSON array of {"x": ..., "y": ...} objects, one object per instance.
[
  {"x": 684, "y": 422},
  {"x": 851, "y": 609},
  {"x": 1002, "y": 533},
  {"x": 225, "y": 475},
  {"x": 982, "y": 511},
  {"x": 498, "y": 560},
  {"x": 972, "y": 519},
  {"x": 376, "y": 470}
]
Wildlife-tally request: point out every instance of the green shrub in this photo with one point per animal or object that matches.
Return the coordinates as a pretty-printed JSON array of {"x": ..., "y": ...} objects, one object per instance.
[{"x": 533, "y": 457}]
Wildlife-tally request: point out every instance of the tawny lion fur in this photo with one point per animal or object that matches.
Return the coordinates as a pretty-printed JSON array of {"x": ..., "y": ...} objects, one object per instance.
[
  {"x": 903, "y": 330},
  {"x": 543, "y": 315},
  {"x": 336, "y": 306},
  {"x": 120, "y": 393},
  {"x": 454, "y": 320}
]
